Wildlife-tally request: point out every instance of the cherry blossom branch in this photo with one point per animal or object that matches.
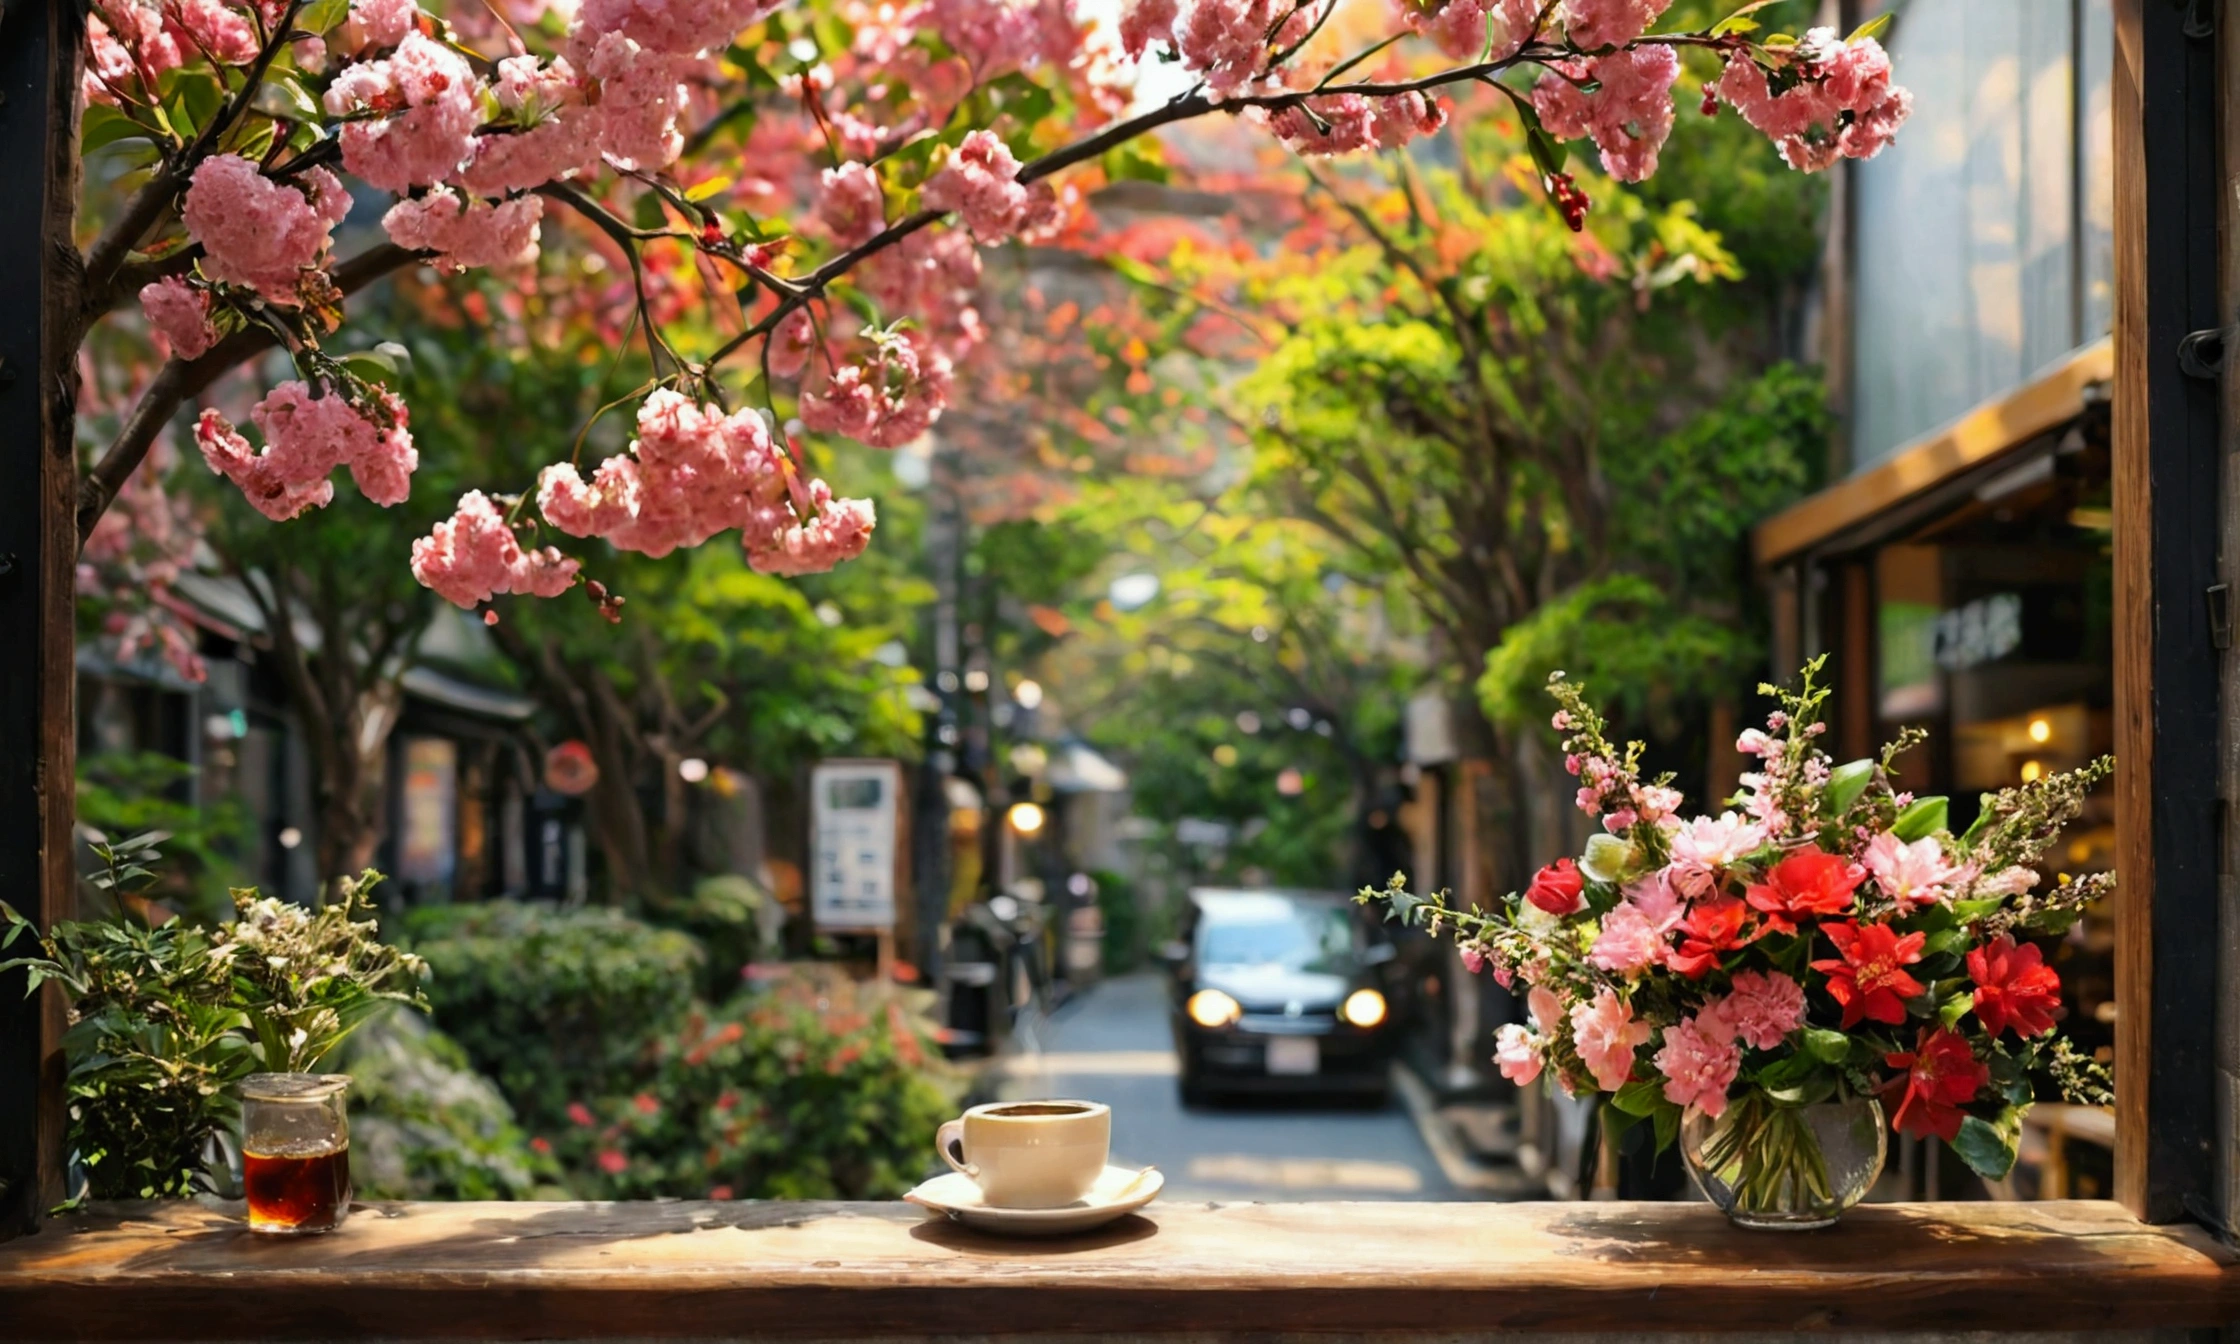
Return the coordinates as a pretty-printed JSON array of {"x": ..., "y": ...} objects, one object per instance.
[{"x": 180, "y": 379}]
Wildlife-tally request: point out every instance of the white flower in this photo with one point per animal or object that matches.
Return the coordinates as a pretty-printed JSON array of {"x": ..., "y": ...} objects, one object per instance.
[
  {"x": 1915, "y": 874},
  {"x": 1703, "y": 847}
]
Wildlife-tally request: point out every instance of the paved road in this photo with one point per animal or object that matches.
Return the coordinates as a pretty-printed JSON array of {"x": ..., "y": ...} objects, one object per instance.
[{"x": 1113, "y": 1045}]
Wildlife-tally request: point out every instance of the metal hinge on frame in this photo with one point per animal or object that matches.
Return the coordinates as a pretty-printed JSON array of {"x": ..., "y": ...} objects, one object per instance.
[
  {"x": 2201, "y": 354},
  {"x": 2220, "y": 615},
  {"x": 2201, "y": 18}
]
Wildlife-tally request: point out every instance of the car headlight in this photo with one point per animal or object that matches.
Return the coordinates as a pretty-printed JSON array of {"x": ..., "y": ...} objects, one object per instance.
[
  {"x": 1212, "y": 1008},
  {"x": 1363, "y": 1008}
]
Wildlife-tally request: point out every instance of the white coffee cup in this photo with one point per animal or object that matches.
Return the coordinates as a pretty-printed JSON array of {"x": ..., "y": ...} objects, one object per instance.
[{"x": 1029, "y": 1154}]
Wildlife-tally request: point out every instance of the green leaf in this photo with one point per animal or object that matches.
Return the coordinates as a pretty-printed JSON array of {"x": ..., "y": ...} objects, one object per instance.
[
  {"x": 1925, "y": 816},
  {"x": 1874, "y": 27},
  {"x": 1736, "y": 22},
  {"x": 1616, "y": 1122},
  {"x": 1667, "y": 1121},
  {"x": 1953, "y": 1009},
  {"x": 283, "y": 96},
  {"x": 321, "y": 16},
  {"x": 1989, "y": 1149},
  {"x": 105, "y": 126},
  {"x": 648, "y": 214},
  {"x": 1811, "y": 1092},
  {"x": 1845, "y": 783},
  {"x": 1643, "y": 1096},
  {"x": 1826, "y": 1044},
  {"x": 1968, "y": 912}
]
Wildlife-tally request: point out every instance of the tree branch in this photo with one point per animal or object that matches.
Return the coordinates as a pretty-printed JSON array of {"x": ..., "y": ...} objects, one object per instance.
[{"x": 180, "y": 379}]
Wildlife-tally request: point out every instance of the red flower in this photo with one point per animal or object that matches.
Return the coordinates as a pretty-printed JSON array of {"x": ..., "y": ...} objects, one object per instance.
[
  {"x": 612, "y": 1162},
  {"x": 1942, "y": 1075},
  {"x": 645, "y": 1103},
  {"x": 540, "y": 1144},
  {"x": 2014, "y": 987},
  {"x": 579, "y": 1113},
  {"x": 1558, "y": 888},
  {"x": 1806, "y": 883},
  {"x": 1711, "y": 928},
  {"x": 1867, "y": 980}
]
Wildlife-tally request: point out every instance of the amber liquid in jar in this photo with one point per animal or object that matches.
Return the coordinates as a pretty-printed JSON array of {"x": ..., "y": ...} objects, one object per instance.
[{"x": 297, "y": 1188}]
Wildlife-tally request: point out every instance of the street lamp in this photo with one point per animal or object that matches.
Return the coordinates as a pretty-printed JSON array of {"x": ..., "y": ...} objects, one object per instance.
[{"x": 1026, "y": 818}]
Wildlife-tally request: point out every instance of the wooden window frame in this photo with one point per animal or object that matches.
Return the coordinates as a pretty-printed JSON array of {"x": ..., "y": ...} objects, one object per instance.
[{"x": 2168, "y": 677}]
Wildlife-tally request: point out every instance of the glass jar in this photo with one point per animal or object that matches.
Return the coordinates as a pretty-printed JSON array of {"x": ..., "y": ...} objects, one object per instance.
[
  {"x": 1771, "y": 1166},
  {"x": 295, "y": 1151}
]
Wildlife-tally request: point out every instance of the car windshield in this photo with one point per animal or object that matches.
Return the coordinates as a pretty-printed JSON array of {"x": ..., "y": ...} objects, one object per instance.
[{"x": 1294, "y": 936}]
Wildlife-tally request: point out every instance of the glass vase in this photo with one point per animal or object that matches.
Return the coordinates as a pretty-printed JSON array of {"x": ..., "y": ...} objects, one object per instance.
[
  {"x": 295, "y": 1151},
  {"x": 1778, "y": 1167}
]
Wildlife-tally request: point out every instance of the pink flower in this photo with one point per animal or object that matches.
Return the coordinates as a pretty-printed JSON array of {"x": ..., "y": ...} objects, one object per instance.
[
  {"x": 211, "y": 28},
  {"x": 1763, "y": 1008},
  {"x": 851, "y": 203},
  {"x": 433, "y": 93},
  {"x": 1144, "y": 22},
  {"x": 674, "y": 27},
  {"x": 1630, "y": 941},
  {"x": 306, "y": 438},
  {"x": 693, "y": 472},
  {"x": 833, "y": 530},
  {"x": 1606, "y": 1034},
  {"x": 1844, "y": 107},
  {"x": 791, "y": 343},
  {"x": 639, "y": 96},
  {"x": 885, "y": 403},
  {"x": 1592, "y": 24},
  {"x": 1698, "y": 1064},
  {"x": 1473, "y": 959},
  {"x": 612, "y": 1162},
  {"x": 180, "y": 314},
  {"x": 260, "y": 233},
  {"x": 1343, "y": 123},
  {"x": 980, "y": 182},
  {"x": 473, "y": 556},
  {"x": 467, "y": 233},
  {"x": 1516, "y": 1053},
  {"x": 1703, "y": 849},
  {"x": 1912, "y": 874},
  {"x": 1629, "y": 116},
  {"x": 1465, "y": 28},
  {"x": 375, "y": 25},
  {"x": 1658, "y": 899},
  {"x": 2007, "y": 882}
]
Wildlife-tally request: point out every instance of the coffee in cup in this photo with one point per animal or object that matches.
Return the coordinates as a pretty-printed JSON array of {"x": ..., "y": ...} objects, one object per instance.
[{"x": 1030, "y": 1154}]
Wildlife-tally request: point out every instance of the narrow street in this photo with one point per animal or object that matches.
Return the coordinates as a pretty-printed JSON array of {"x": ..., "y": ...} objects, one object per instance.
[{"x": 1113, "y": 1045}]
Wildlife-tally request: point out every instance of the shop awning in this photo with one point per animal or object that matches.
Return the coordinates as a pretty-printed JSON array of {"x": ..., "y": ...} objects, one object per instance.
[
  {"x": 1977, "y": 437},
  {"x": 1076, "y": 767}
]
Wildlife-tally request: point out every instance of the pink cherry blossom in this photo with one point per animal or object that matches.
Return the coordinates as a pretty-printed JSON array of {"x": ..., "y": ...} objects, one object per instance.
[
  {"x": 1844, "y": 107},
  {"x": 180, "y": 314},
  {"x": 850, "y": 203},
  {"x": 1144, "y": 22},
  {"x": 692, "y": 472},
  {"x": 211, "y": 28},
  {"x": 933, "y": 275},
  {"x": 885, "y": 403},
  {"x": 473, "y": 556},
  {"x": 836, "y": 530},
  {"x": 432, "y": 90},
  {"x": 1913, "y": 874},
  {"x": 791, "y": 344},
  {"x": 981, "y": 183},
  {"x": 1629, "y": 941},
  {"x": 261, "y": 233},
  {"x": 1592, "y": 24},
  {"x": 673, "y": 27},
  {"x": 466, "y": 233},
  {"x": 1517, "y": 1054},
  {"x": 1629, "y": 116},
  {"x": 1703, "y": 848},
  {"x": 1606, "y": 1034},
  {"x": 375, "y": 25},
  {"x": 320, "y": 433},
  {"x": 1762, "y": 1008},
  {"x": 279, "y": 490},
  {"x": 639, "y": 96},
  {"x": 127, "y": 44},
  {"x": 1464, "y": 29},
  {"x": 1698, "y": 1064}
]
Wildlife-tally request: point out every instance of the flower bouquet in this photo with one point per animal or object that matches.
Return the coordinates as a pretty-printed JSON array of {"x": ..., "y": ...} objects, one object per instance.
[{"x": 1757, "y": 983}]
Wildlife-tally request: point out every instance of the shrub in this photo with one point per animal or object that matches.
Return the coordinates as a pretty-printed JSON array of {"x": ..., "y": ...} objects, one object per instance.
[
  {"x": 554, "y": 1004},
  {"x": 425, "y": 1125},
  {"x": 808, "y": 1088}
]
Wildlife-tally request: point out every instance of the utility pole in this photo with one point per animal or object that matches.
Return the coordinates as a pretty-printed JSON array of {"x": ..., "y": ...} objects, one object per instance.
[{"x": 39, "y": 71}]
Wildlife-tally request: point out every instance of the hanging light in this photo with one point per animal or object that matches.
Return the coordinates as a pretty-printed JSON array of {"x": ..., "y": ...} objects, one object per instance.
[{"x": 1026, "y": 818}]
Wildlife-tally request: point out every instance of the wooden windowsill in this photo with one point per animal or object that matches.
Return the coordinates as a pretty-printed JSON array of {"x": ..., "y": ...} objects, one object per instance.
[{"x": 861, "y": 1271}]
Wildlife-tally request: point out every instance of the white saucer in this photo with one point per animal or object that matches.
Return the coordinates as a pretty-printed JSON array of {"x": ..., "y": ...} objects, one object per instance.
[{"x": 1117, "y": 1193}]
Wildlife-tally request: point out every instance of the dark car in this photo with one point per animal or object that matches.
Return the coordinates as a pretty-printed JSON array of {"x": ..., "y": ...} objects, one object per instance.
[{"x": 1282, "y": 991}]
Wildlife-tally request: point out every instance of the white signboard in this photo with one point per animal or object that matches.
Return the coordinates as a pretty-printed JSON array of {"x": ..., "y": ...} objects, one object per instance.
[{"x": 855, "y": 839}]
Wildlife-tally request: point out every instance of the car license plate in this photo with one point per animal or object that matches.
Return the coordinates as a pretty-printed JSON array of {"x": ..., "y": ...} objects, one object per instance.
[{"x": 1294, "y": 1055}]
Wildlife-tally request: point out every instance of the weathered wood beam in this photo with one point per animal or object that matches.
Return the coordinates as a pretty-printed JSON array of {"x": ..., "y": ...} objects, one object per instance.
[
  {"x": 39, "y": 62},
  {"x": 2167, "y": 668}
]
